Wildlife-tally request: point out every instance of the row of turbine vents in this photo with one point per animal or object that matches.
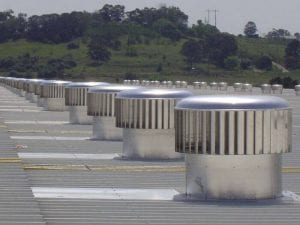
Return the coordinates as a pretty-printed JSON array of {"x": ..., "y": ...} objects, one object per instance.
[
  {"x": 232, "y": 142},
  {"x": 221, "y": 86}
]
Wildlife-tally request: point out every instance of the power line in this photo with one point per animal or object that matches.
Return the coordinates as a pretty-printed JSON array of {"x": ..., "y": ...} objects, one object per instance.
[{"x": 215, "y": 15}]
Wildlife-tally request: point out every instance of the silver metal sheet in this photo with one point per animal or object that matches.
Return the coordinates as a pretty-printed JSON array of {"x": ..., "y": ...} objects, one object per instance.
[
  {"x": 35, "y": 122},
  {"x": 50, "y": 138},
  {"x": 25, "y": 155},
  {"x": 104, "y": 193},
  {"x": 232, "y": 102},
  {"x": 20, "y": 110}
]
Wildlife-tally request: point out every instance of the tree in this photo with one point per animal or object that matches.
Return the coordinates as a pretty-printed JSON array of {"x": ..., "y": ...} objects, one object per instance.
[
  {"x": 6, "y": 15},
  {"x": 287, "y": 82},
  {"x": 167, "y": 29},
  {"x": 250, "y": 29},
  {"x": 201, "y": 30},
  {"x": 11, "y": 27},
  {"x": 231, "y": 62},
  {"x": 263, "y": 63},
  {"x": 148, "y": 16},
  {"x": 98, "y": 52},
  {"x": 193, "y": 51},
  {"x": 175, "y": 15},
  {"x": 292, "y": 55},
  {"x": 278, "y": 34},
  {"x": 54, "y": 28},
  {"x": 111, "y": 13},
  {"x": 219, "y": 47},
  {"x": 297, "y": 36},
  {"x": 245, "y": 63}
]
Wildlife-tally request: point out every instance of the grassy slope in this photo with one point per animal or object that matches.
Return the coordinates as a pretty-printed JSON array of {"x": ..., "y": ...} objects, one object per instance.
[
  {"x": 149, "y": 56},
  {"x": 253, "y": 47}
]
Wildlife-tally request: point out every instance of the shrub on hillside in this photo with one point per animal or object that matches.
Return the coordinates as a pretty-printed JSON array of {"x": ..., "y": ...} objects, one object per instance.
[
  {"x": 263, "y": 63},
  {"x": 231, "y": 62},
  {"x": 72, "y": 45},
  {"x": 130, "y": 76},
  {"x": 287, "y": 82},
  {"x": 131, "y": 51},
  {"x": 245, "y": 64}
]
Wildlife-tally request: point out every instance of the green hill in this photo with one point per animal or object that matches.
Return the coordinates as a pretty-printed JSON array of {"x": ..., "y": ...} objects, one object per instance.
[
  {"x": 159, "y": 59},
  {"x": 254, "y": 47}
]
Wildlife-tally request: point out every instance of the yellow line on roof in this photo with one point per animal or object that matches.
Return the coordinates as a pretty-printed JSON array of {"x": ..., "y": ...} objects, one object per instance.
[
  {"x": 53, "y": 131},
  {"x": 10, "y": 160},
  {"x": 290, "y": 170},
  {"x": 127, "y": 168},
  {"x": 113, "y": 168}
]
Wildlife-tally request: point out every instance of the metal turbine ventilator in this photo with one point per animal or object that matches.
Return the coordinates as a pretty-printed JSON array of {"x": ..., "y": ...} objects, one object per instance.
[
  {"x": 53, "y": 92},
  {"x": 30, "y": 89},
  {"x": 213, "y": 86},
  {"x": 76, "y": 101},
  {"x": 222, "y": 86},
  {"x": 20, "y": 85},
  {"x": 37, "y": 91},
  {"x": 233, "y": 145},
  {"x": 266, "y": 88},
  {"x": 297, "y": 89},
  {"x": 246, "y": 87},
  {"x": 101, "y": 105},
  {"x": 277, "y": 88},
  {"x": 147, "y": 119},
  {"x": 237, "y": 87}
]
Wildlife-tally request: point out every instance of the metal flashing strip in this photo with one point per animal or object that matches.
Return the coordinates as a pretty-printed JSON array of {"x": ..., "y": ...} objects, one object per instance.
[
  {"x": 53, "y": 138},
  {"x": 10, "y": 160},
  {"x": 66, "y": 156},
  {"x": 53, "y": 131},
  {"x": 35, "y": 122},
  {"x": 20, "y": 110},
  {"x": 122, "y": 168},
  {"x": 17, "y": 107},
  {"x": 105, "y": 193},
  {"x": 106, "y": 168}
]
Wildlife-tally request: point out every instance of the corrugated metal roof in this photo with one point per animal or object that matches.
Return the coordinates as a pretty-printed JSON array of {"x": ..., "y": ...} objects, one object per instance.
[{"x": 18, "y": 206}]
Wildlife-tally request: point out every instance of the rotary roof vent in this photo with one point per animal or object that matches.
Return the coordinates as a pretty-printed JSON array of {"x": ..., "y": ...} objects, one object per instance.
[
  {"x": 37, "y": 91},
  {"x": 247, "y": 87},
  {"x": 76, "y": 101},
  {"x": 167, "y": 84},
  {"x": 277, "y": 88},
  {"x": 101, "y": 105},
  {"x": 145, "y": 83},
  {"x": 11, "y": 83},
  {"x": 213, "y": 86},
  {"x": 237, "y": 87},
  {"x": 147, "y": 119},
  {"x": 233, "y": 145},
  {"x": 196, "y": 85},
  {"x": 181, "y": 84},
  {"x": 20, "y": 85},
  {"x": 297, "y": 89},
  {"x": 30, "y": 89},
  {"x": 222, "y": 86},
  {"x": 54, "y": 94},
  {"x": 200, "y": 85},
  {"x": 135, "y": 82},
  {"x": 266, "y": 88},
  {"x": 155, "y": 83}
]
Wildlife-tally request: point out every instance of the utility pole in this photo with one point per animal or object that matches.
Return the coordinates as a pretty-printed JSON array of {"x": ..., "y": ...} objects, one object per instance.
[
  {"x": 208, "y": 15},
  {"x": 215, "y": 11},
  {"x": 208, "y": 12}
]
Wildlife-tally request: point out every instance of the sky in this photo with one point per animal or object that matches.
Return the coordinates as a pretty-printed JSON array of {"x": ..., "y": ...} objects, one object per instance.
[{"x": 231, "y": 17}]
